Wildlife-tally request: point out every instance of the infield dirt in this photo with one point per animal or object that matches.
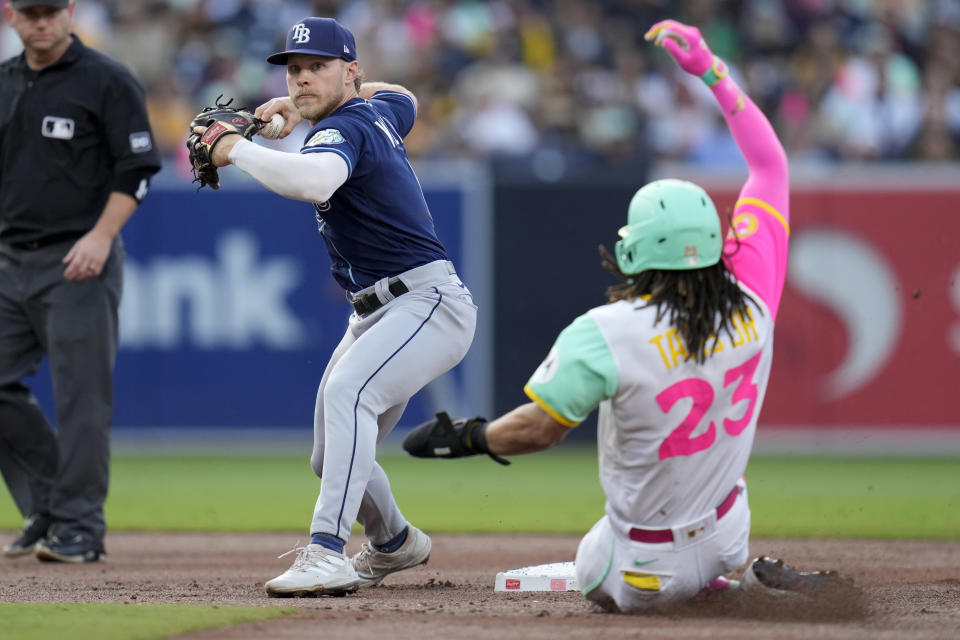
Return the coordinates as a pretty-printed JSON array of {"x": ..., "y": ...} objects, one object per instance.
[{"x": 904, "y": 589}]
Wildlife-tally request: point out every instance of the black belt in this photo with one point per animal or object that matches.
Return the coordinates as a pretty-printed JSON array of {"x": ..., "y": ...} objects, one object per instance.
[
  {"x": 46, "y": 241},
  {"x": 368, "y": 303}
]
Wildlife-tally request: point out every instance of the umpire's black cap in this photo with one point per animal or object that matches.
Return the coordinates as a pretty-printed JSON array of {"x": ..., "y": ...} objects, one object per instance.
[
  {"x": 26, "y": 4},
  {"x": 318, "y": 37}
]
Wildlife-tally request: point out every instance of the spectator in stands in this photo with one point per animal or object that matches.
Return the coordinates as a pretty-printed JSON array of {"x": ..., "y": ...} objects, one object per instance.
[{"x": 842, "y": 80}]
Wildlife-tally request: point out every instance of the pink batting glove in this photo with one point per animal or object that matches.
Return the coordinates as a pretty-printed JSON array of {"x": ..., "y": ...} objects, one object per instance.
[{"x": 684, "y": 43}]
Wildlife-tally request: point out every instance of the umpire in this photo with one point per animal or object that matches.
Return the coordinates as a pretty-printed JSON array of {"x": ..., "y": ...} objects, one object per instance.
[{"x": 76, "y": 157}]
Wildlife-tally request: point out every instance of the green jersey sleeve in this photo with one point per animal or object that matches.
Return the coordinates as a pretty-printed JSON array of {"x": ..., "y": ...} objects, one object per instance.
[{"x": 577, "y": 375}]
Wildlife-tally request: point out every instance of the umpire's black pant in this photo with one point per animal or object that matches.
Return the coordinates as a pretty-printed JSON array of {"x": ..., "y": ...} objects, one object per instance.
[{"x": 64, "y": 473}]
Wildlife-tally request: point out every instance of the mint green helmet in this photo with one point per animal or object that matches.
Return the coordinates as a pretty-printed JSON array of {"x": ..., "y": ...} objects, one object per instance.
[{"x": 671, "y": 224}]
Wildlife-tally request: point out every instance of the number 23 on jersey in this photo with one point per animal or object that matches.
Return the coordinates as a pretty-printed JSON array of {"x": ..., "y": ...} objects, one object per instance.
[{"x": 680, "y": 442}]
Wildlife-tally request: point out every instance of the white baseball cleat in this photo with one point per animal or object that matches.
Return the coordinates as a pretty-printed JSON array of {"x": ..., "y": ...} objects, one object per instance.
[
  {"x": 316, "y": 571},
  {"x": 373, "y": 566}
]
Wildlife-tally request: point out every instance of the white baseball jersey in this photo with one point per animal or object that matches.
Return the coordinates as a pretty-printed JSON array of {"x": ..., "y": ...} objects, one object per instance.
[{"x": 674, "y": 435}]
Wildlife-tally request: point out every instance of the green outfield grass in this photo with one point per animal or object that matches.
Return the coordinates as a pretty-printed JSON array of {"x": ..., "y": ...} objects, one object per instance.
[
  {"x": 552, "y": 492},
  {"x": 121, "y": 621}
]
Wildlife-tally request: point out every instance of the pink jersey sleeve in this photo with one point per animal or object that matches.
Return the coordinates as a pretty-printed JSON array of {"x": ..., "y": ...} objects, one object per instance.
[{"x": 761, "y": 215}]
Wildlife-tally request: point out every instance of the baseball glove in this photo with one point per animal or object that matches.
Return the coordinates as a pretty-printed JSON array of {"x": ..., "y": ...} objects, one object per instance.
[
  {"x": 220, "y": 121},
  {"x": 446, "y": 438}
]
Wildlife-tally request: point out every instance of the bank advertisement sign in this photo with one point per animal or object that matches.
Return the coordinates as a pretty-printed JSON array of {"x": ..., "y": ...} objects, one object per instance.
[{"x": 229, "y": 312}]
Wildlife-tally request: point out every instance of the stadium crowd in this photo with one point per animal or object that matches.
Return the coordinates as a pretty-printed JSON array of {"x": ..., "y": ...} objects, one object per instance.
[{"x": 843, "y": 80}]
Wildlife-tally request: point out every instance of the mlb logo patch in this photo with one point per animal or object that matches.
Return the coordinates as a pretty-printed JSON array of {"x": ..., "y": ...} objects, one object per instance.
[
  {"x": 59, "y": 128},
  {"x": 140, "y": 142}
]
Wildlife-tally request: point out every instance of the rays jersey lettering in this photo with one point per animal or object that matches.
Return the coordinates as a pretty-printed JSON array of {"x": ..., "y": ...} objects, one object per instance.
[{"x": 388, "y": 131}]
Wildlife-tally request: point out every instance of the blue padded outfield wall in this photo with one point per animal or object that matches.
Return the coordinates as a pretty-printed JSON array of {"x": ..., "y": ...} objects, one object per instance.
[{"x": 229, "y": 311}]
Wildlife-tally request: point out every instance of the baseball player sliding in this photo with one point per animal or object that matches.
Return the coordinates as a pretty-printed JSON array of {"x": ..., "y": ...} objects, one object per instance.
[
  {"x": 677, "y": 362},
  {"x": 413, "y": 318}
]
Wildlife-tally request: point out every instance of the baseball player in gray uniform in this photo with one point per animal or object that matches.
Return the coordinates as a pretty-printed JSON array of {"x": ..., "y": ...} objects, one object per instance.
[
  {"x": 413, "y": 317},
  {"x": 678, "y": 363}
]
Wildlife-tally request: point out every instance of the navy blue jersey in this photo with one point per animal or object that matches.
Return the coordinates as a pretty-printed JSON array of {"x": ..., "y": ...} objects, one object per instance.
[{"x": 377, "y": 224}]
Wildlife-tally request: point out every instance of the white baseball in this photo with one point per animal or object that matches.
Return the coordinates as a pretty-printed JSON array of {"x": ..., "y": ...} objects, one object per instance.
[{"x": 272, "y": 129}]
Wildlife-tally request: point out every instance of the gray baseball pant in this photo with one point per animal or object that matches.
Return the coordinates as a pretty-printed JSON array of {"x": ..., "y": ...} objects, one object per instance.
[
  {"x": 383, "y": 359},
  {"x": 64, "y": 473}
]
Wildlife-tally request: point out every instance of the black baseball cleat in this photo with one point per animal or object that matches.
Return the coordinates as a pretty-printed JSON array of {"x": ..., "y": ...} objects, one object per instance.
[
  {"x": 76, "y": 549},
  {"x": 33, "y": 532},
  {"x": 776, "y": 578}
]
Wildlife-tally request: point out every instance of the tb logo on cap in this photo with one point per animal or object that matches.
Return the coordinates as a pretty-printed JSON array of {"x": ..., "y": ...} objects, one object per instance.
[{"x": 301, "y": 33}]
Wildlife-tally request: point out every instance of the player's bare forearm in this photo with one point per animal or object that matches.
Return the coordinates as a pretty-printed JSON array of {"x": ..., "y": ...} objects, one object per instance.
[
  {"x": 526, "y": 429},
  {"x": 221, "y": 152},
  {"x": 367, "y": 89}
]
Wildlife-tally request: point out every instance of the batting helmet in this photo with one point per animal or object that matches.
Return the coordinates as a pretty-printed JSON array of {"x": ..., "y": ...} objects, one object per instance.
[{"x": 671, "y": 224}]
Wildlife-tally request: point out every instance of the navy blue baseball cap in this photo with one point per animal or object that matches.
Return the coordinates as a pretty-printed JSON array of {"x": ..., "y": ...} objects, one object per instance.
[{"x": 318, "y": 37}]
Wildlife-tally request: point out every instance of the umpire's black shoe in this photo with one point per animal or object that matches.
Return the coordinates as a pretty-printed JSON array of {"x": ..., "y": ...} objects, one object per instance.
[
  {"x": 76, "y": 548},
  {"x": 33, "y": 532}
]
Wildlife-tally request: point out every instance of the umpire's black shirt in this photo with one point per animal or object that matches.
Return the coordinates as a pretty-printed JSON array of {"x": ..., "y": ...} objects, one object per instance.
[{"x": 70, "y": 134}]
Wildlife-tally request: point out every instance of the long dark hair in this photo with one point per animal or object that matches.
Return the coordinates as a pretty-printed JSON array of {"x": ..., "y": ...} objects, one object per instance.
[{"x": 700, "y": 303}]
